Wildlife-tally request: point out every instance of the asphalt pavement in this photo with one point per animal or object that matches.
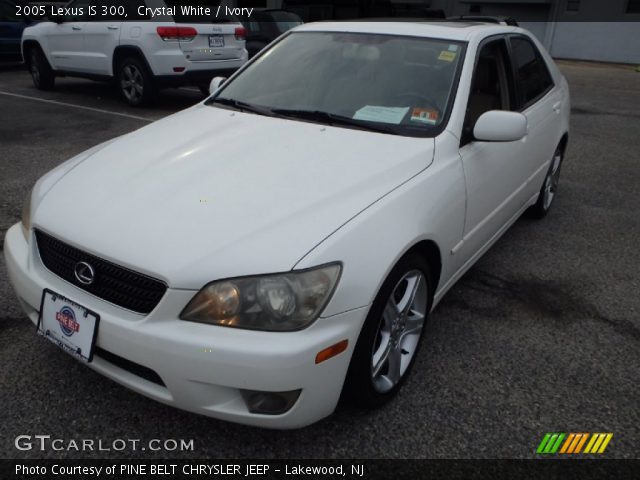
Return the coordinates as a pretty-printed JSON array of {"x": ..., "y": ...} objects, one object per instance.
[{"x": 542, "y": 335}]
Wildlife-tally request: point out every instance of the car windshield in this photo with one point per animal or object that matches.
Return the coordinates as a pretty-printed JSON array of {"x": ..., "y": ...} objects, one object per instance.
[{"x": 394, "y": 84}]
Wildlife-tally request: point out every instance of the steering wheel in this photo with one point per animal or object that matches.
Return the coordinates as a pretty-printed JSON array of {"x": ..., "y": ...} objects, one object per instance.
[{"x": 421, "y": 99}]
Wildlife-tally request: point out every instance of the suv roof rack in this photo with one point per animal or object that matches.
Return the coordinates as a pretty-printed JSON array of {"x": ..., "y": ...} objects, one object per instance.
[{"x": 503, "y": 20}]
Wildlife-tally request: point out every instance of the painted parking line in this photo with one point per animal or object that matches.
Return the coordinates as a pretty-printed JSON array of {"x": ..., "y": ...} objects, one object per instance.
[{"x": 82, "y": 107}]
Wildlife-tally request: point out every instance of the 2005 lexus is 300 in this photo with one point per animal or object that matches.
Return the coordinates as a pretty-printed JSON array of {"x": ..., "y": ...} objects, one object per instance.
[{"x": 279, "y": 246}]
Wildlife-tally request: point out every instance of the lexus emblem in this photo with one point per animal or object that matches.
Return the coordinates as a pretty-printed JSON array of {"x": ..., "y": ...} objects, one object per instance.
[{"x": 84, "y": 273}]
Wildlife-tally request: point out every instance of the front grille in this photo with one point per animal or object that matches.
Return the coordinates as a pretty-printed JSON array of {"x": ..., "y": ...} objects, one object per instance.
[
  {"x": 115, "y": 284},
  {"x": 131, "y": 367}
]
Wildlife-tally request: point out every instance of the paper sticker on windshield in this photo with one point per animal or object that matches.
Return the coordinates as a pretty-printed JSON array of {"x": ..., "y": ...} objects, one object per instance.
[
  {"x": 447, "y": 56},
  {"x": 424, "y": 115},
  {"x": 372, "y": 113}
]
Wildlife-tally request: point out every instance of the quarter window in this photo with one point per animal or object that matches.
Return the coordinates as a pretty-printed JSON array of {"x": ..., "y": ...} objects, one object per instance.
[{"x": 531, "y": 71}]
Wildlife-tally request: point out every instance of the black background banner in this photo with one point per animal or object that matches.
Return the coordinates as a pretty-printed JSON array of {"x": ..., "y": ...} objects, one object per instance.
[{"x": 544, "y": 469}]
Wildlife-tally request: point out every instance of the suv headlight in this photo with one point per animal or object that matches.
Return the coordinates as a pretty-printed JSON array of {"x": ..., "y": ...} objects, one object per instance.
[
  {"x": 26, "y": 215},
  {"x": 280, "y": 302}
]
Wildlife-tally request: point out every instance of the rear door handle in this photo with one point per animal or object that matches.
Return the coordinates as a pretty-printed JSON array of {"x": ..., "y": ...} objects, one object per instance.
[
  {"x": 112, "y": 27},
  {"x": 75, "y": 27},
  {"x": 556, "y": 107}
]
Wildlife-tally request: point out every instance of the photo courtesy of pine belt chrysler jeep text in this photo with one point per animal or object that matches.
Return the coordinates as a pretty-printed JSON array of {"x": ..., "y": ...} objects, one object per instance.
[{"x": 280, "y": 245}]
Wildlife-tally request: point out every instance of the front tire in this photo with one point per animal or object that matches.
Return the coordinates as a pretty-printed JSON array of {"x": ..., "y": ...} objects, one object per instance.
[
  {"x": 135, "y": 82},
  {"x": 549, "y": 187},
  {"x": 391, "y": 335},
  {"x": 41, "y": 72}
]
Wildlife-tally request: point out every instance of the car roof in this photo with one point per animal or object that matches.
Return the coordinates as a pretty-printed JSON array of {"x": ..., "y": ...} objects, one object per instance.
[{"x": 448, "y": 30}]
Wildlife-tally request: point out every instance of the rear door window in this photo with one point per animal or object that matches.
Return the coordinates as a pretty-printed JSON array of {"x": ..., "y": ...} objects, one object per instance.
[{"x": 532, "y": 75}]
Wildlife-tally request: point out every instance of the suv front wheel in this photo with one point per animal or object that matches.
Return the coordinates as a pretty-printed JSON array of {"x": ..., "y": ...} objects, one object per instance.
[{"x": 135, "y": 82}]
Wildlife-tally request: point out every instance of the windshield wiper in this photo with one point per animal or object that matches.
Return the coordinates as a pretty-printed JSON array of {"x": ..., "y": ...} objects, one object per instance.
[
  {"x": 334, "y": 119},
  {"x": 242, "y": 106}
]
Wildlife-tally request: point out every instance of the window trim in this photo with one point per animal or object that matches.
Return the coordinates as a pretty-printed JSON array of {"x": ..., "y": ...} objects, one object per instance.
[
  {"x": 522, "y": 107},
  {"x": 510, "y": 71}
]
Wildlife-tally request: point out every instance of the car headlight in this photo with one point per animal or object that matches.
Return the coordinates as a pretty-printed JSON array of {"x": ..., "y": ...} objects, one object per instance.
[
  {"x": 280, "y": 302},
  {"x": 26, "y": 215}
]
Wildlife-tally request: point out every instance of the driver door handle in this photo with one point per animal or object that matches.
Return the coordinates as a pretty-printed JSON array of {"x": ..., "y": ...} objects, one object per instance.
[
  {"x": 556, "y": 107},
  {"x": 75, "y": 27},
  {"x": 112, "y": 27}
]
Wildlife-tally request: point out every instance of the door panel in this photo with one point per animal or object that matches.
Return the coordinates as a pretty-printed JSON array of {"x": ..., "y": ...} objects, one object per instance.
[
  {"x": 65, "y": 41},
  {"x": 66, "y": 45},
  {"x": 544, "y": 124},
  {"x": 495, "y": 172},
  {"x": 539, "y": 100},
  {"x": 100, "y": 41}
]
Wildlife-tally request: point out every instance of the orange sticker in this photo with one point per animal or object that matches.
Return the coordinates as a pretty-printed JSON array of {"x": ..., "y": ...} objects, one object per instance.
[{"x": 424, "y": 115}]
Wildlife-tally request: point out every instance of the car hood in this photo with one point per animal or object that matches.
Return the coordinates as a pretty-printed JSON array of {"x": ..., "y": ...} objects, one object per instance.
[{"x": 210, "y": 193}]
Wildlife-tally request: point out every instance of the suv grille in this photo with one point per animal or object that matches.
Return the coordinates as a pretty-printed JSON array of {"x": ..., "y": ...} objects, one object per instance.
[{"x": 112, "y": 283}]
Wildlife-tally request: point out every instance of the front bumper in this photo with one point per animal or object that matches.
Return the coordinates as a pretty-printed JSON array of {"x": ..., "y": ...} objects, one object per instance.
[{"x": 203, "y": 368}]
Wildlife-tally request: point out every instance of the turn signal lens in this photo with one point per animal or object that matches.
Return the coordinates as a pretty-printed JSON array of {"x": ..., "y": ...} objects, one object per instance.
[
  {"x": 332, "y": 351},
  {"x": 218, "y": 300}
]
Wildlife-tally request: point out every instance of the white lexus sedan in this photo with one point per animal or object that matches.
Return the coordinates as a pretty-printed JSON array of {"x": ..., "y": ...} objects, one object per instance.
[{"x": 280, "y": 245}]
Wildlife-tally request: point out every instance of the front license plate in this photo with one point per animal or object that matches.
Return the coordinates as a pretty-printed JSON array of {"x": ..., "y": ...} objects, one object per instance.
[
  {"x": 216, "y": 41},
  {"x": 70, "y": 326}
]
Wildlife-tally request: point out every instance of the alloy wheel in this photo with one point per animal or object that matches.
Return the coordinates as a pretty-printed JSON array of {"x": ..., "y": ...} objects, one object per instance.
[
  {"x": 132, "y": 83},
  {"x": 552, "y": 180},
  {"x": 399, "y": 331}
]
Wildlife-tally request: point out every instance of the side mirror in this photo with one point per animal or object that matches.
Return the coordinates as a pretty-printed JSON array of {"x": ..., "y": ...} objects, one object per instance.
[
  {"x": 215, "y": 84},
  {"x": 500, "y": 126}
]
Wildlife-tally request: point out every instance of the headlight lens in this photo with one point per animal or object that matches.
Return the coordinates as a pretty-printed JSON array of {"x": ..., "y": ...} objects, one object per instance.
[
  {"x": 281, "y": 302},
  {"x": 26, "y": 215}
]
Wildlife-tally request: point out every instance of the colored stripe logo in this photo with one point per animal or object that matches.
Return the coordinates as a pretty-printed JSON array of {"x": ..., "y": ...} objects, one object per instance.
[{"x": 573, "y": 443}]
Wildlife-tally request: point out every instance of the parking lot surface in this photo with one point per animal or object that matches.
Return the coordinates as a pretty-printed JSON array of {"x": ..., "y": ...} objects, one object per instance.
[{"x": 542, "y": 335}]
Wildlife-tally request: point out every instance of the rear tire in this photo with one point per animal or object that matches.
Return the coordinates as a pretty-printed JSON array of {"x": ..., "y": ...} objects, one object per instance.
[
  {"x": 549, "y": 187},
  {"x": 391, "y": 335},
  {"x": 41, "y": 72},
  {"x": 135, "y": 82}
]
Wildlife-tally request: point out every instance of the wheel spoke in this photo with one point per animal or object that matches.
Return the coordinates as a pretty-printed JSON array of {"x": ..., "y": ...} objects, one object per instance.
[
  {"x": 384, "y": 383},
  {"x": 395, "y": 362},
  {"x": 409, "y": 295},
  {"x": 382, "y": 360},
  {"x": 390, "y": 314},
  {"x": 413, "y": 324},
  {"x": 556, "y": 164}
]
